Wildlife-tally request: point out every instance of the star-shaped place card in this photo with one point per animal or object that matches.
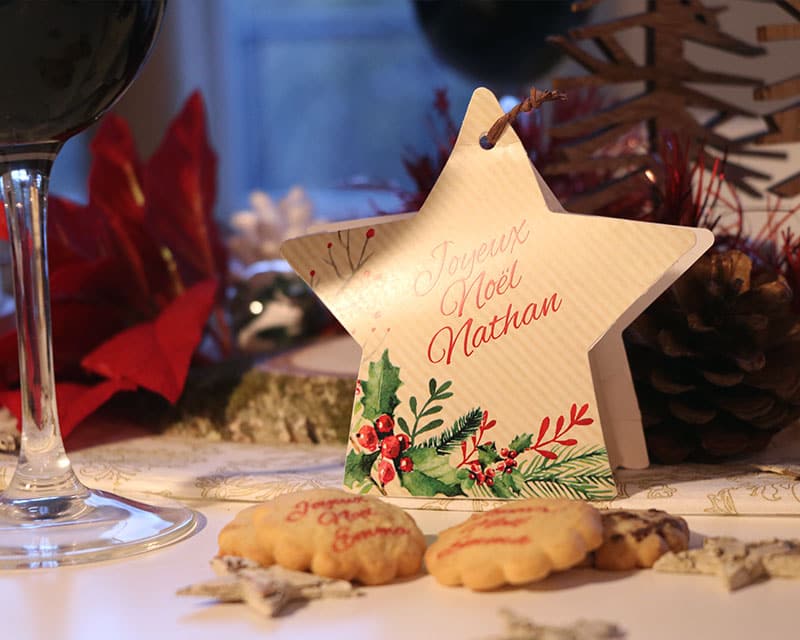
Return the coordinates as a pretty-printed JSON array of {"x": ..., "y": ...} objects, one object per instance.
[{"x": 491, "y": 327}]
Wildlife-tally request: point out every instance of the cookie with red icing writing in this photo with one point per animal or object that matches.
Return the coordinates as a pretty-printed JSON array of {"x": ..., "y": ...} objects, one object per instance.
[
  {"x": 330, "y": 533},
  {"x": 517, "y": 543}
]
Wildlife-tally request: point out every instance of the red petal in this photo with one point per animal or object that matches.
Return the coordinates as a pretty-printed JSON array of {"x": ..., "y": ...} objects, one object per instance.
[
  {"x": 115, "y": 179},
  {"x": 156, "y": 355},
  {"x": 180, "y": 188},
  {"x": 146, "y": 271},
  {"x": 74, "y": 232},
  {"x": 75, "y": 401},
  {"x": 547, "y": 454},
  {"x": 9, "y": 364},
  {"x": 80, "y": 326}
]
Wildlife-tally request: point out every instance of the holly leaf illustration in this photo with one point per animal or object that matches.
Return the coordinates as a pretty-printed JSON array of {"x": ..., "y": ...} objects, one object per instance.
[
  {"x": 487, "y": 454},
  {"x": 521, "y": 442},
  {"x": 432, "y": 474},
  {"x": 380, "y": 389},
  {"x": 504, "y": 485},
  {"x": 357, "y": 467}
]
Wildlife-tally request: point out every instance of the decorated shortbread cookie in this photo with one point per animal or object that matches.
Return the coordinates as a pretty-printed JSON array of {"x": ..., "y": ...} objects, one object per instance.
[
  {"x": 515, "y": 544},
  {"x": 330, "y": 533},
  {"x": 636, "y": 539}
]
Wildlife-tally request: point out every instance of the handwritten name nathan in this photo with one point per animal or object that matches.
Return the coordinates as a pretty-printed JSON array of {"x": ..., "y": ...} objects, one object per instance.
[{"x": 469, "y": 281}]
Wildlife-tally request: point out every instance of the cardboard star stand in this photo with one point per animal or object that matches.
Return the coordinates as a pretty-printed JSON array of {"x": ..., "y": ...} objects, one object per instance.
[{"x": 491, "y": 326}]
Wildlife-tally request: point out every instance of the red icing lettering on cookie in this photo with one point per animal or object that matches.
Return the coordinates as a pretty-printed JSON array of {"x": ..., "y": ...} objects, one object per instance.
[
  {"x": 494, "y": 540},
  {"x": 492, "y": 523},
  {"x": 527, "y": 509},
  {"x": 345, "y": 515},
  {"x": 344, "y": 539},
  {"x": 300, "y": 509}
]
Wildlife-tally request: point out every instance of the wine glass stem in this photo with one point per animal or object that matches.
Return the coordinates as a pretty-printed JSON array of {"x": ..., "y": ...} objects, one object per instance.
[{"x": 43, "y": 467}]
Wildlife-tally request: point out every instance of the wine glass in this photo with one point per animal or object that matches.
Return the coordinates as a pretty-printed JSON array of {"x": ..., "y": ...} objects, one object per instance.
[{"x": 65, "y": 63}]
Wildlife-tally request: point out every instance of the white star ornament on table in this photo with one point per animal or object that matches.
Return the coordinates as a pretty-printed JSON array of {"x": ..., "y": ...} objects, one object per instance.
[{"x": 490, "y": 322}]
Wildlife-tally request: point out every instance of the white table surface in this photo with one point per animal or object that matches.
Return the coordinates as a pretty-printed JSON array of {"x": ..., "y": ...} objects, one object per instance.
[{"x": 135, "y": 598}]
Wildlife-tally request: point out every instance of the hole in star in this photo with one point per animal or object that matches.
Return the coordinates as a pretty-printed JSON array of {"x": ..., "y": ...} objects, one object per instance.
[{"x": 485, "y": 142}]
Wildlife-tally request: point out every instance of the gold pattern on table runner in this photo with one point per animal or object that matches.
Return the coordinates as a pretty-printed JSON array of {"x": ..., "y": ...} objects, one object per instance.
[{"x": 187, "y": 468}]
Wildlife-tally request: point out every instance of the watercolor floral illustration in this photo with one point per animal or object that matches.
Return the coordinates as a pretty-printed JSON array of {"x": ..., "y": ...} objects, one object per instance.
[{"x": 411, "y": 445}]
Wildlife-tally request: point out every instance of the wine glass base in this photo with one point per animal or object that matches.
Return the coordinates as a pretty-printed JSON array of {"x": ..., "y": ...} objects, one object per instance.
[{"x": 93, "y": 526}]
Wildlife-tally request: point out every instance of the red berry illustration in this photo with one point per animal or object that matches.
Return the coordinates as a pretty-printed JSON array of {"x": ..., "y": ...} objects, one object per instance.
[
  {"x": 312, "y": 273},
  {"x": 489, "y": 481},
  {"x": 367, "y": 438},
  {"x": 504, "y": 452},
  {"x": 384, "y": 423},
  {"x": 385, "y": 471},
  {"x": 390, "y": 447},
  {"x": 406, "y": 464},
  {"x": 370, "y": 232},
  {"x": 330, "y": 244},
  {"x": 404, "y": 441},
  {"x": 512, "y": 454}
]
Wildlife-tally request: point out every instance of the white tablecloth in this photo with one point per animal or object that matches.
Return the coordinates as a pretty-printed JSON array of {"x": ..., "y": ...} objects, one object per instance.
[{"x": 185, "y": 468}]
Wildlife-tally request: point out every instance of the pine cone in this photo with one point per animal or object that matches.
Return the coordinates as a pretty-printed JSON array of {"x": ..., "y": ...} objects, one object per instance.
[{"x": 716, "y": 361}]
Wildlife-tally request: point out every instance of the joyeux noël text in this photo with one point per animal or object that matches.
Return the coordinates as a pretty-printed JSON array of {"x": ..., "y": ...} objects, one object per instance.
[{"x": 467, "y": 280}]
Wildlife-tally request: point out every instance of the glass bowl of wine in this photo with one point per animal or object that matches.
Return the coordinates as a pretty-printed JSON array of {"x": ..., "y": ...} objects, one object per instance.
[{"x": 66, "y": 63}]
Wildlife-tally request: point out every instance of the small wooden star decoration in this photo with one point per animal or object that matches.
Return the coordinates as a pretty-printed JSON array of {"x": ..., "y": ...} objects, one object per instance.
[{"x": 490, "y": 323}]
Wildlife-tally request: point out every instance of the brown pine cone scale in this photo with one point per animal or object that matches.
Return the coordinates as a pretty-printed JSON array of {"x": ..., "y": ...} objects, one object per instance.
[{"x": 716, "y": 361}]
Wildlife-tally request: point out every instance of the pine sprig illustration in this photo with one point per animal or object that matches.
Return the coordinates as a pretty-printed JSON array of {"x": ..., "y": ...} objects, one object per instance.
[
  {"x": 596, "y": 489},
  {"x": 570, "y": 462},
  {"x": 578, "y": 474},
  {"x": 462, "y": 428}
]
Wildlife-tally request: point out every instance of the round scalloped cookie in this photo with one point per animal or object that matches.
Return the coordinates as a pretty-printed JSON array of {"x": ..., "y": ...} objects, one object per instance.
[
  {"x": 330, "y": 533},
  {"x": 635, "y": 539},
  {"x": 520, "y": 542}
]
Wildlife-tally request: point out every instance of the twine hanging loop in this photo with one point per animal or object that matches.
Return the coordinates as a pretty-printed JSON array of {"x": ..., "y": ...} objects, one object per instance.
[{"x": 535, "y": 100}]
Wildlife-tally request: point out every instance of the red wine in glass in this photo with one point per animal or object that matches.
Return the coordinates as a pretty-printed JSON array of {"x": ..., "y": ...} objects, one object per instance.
[{"x": 65, "y": 63}]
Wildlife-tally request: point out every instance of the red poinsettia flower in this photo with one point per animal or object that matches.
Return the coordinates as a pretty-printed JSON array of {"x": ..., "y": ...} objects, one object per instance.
[{"x": 135, "y": 273}]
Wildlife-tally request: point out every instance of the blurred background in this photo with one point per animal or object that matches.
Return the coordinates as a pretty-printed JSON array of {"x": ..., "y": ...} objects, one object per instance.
[
  {"x": 334, "y": 109},
  {"x": 327, "y": 93}
]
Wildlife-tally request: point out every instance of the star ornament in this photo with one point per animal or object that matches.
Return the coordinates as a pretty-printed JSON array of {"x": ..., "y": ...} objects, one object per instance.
[{"x": 490, "y": 322}]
